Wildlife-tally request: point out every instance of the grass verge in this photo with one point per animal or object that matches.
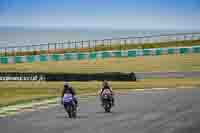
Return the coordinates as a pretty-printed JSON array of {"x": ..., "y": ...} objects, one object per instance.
[{"x": 16, "y": 92}]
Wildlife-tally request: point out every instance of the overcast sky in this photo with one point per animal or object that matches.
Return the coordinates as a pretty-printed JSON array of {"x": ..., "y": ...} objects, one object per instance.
[{"x": 123, "y": 14}]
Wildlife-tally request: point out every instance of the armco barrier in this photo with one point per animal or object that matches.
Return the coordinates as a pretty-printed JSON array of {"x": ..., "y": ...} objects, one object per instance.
[{"x": 100, "y": 54}]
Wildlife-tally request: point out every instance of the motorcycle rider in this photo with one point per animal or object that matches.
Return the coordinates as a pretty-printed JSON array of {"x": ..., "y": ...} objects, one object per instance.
[
  {"x": 105, "y": 86},
  {"x": 69, "y": 90}
]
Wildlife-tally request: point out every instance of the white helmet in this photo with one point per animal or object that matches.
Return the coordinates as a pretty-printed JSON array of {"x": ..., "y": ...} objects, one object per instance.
[{"x": 66, "y": 83}]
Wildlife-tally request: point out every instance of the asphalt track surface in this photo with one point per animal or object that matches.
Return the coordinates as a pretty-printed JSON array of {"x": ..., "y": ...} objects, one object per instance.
[{"x": 160, "y": 111}]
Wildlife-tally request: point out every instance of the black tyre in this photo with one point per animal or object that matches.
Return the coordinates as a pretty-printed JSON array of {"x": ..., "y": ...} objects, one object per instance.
[
  {"x": 107, "y": 107},
  {"x": 70, "y": 111},
  {"x": 74, "y": 114},
  {"x": 69, "y": 114}
]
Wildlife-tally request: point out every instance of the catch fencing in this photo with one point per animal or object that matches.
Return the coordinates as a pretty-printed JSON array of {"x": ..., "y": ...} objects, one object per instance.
[{"x": 109, "y": 42}]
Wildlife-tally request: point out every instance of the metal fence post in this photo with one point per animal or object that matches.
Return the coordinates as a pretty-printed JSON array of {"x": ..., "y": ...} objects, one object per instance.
[
  {"x": 48, "y": 45},
  {"x": 68, "y": 44},
  {"x": 55, "y": 46},
  {"x": 5, "y": 51},
  {"x": 103, "y": 42},
  {"x": 184, "y": 37},
  {"x": 89, "y": 44},
  {"x": 95, "y": 43},
  {"x": 75, "y": 44},
  {"x": 62, "y": 45},
  {"x": 120, "y": 46},
  {"x": 139, "y": 41},
  {"x": 110, "y": 41},
  {"x": 192, "y": 36},
  {"x": 82, "y": 44},
  {"x": 125, "y": 42}
]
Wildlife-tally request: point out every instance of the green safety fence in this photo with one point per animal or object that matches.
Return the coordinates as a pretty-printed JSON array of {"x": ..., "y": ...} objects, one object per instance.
[
  {"x": 170, "y": 50},
  {"x": 146, "y": 52},
  {"x": 82, "y": 56},
  {"x": 106, "y": 54},
  {"x": 101, "y": 54},
  {"x": 184, "y": 50},
  {"x": 4, "y": 60},
  {"x": 132, "y": 53},
  {"x": 117, "y": 53},
  {"x": 43, "y": 58},
  {"x": 18, "y": 59},
  {"x": 159, "y": 51},
  {"x": 196, "y": 49},
  {"x": 55, "y": 57},
  {"x": 93, "y": 55},
  {"x": 68, "y": 56},
  {"x": 30, "y": 58}
]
